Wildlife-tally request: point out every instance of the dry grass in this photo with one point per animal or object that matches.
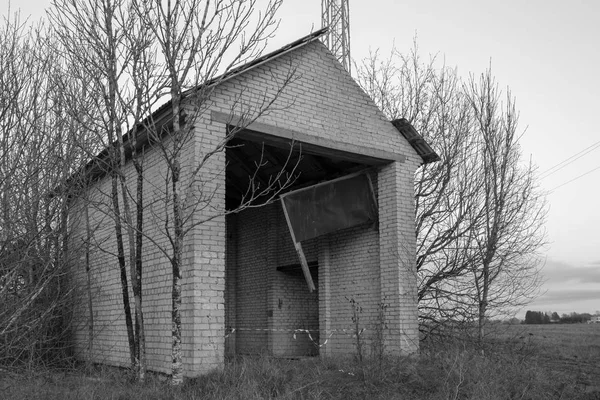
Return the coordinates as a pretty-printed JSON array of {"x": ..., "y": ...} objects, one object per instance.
[
  {"x": 565, "y": 340},
  {"x": 520, "y": 362},
  {"x": 572, "y": 350}
]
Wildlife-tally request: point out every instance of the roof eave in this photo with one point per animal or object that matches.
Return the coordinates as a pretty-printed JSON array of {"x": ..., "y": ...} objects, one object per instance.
[
  {"x": 163, "y": 110},
  {"x": 423, "y": 149}
]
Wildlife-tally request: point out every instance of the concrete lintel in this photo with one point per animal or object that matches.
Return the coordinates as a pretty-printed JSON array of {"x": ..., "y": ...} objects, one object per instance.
[{"x": 310, "y": 144}]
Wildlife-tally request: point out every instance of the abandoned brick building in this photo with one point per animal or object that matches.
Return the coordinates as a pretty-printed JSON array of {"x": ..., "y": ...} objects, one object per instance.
[{"x": 246, "y": 290}]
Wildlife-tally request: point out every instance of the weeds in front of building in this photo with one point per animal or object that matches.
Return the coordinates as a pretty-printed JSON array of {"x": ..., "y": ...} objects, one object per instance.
[{"x": 516, "y": 365}]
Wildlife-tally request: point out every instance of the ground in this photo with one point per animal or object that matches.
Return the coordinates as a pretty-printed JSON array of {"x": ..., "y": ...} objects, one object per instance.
[
  {"x": 573, "y": 349},
  {"x": 523, "y": 361}
]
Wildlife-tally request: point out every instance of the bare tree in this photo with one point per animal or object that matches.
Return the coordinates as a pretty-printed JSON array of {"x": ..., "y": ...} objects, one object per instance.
[
  {"x": 35, "y": 157},
  {"x": 513, "y": 208},
  {"x": 136, "y": 55},
  {"x": 461, "y": 120},
  {"x": 198, "y": 40},
  {"x": 106, "y": 41},
  {"x": 404, "y": 86}
]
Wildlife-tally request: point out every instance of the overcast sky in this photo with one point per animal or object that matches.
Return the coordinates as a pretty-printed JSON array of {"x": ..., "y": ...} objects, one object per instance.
[{"x": 548, "y": 53}]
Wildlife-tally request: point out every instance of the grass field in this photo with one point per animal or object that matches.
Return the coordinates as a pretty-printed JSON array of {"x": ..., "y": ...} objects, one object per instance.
[
  {"x": 570, "y": 348},
  {"x": 581, "y": 341},
  {"x": 518, "y": 362}
]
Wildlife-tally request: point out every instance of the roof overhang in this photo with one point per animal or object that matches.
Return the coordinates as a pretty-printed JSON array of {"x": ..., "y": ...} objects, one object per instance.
[
  {"x": 311, "y": 144},
  {"x": 416, "y": 140}
]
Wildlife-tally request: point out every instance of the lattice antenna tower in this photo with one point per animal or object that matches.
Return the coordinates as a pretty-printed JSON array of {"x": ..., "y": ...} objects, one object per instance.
[{"x": 336, "y": 15}]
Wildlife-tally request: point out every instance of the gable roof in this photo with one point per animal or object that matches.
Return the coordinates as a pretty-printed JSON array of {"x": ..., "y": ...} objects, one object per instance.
[
  {"x": 404, "y": 127},
  {"x": 251, "y": 64}
]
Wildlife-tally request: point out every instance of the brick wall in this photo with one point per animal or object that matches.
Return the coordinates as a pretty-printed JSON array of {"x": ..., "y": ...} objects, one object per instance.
[
  {"x": 397, "y": 257},
  {"x": 322, "y": 100},
  {"x": 293, "y": 307},
  {"x": 349, "y": 279},
  {"x": 231, "y": 285},
  {"x": 268, "y": 305},
  {"x": 348, "y": 270},
  {"x": 206, "y": 283},
  {"x": 203, "y": 268},
  {"x": 251, "y": 272}
]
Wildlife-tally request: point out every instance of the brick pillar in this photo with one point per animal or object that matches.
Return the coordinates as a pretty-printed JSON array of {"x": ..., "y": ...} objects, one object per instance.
[
  {"x": 397, "y": 247},
  {"x": 273, "y": 336},
  {"x": 204, "y": 321},
  {"x": 230, "y": 283},
  {"x": 324, "y": 291}
]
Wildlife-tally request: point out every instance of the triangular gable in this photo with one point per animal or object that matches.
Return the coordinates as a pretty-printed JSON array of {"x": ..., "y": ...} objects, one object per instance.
[{"x": 322, "y": 102}]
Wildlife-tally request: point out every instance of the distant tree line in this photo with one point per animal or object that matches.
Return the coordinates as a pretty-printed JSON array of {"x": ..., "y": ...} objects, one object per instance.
[{"x": 539, "y": 317}]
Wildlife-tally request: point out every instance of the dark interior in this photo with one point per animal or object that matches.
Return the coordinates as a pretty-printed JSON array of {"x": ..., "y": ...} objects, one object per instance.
[{"x": 252, "y": 163}]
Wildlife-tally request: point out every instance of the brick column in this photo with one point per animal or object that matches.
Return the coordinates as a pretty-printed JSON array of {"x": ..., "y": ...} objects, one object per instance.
[
  {"x": 273, "y": 336},
  {"x": 324, "y": 291},
  {"x": 204, "y": 322},
  {"x": 397, "y": 257},
  {"x": 230, "y": 283}
]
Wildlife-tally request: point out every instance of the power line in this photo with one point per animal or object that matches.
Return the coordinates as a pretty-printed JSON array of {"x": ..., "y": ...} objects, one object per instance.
[
  {"x": 574, "y": 179},
  {"x": 569, "y": 160}
]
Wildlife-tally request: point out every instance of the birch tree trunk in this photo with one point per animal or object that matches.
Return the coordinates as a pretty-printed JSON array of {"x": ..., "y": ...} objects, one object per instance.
[
  {"x": 95, "y": 38},
  {"x": 197, "y": 40}
]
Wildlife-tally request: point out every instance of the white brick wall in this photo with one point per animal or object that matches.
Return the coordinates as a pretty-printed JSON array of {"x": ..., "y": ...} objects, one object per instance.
[
  {"x": 397, "y": 256},
  {"x": 203, "y": 270},
  {"x": 269, "y": 304},
  {"x": 322, "y": 101}
]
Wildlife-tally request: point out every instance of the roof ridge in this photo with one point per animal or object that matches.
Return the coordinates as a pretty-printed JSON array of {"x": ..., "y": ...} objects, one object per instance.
[{"x": 261, "y": 60}]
